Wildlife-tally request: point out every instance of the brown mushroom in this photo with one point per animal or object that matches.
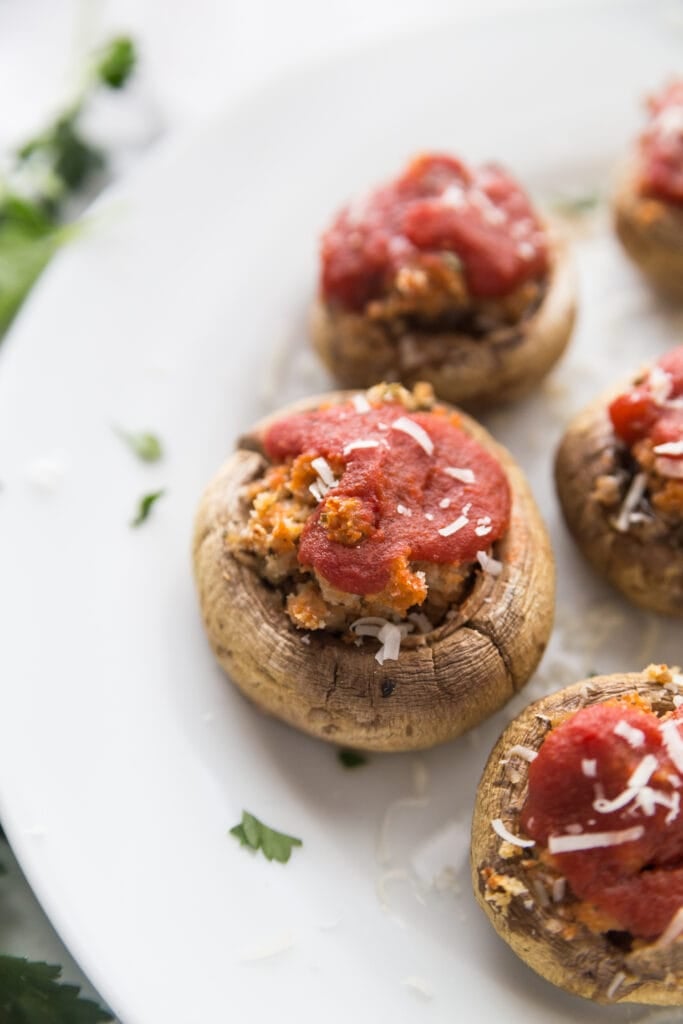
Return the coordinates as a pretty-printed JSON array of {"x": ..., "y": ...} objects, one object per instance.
[
  {"x": 472, "y": 370},
  {"x": 520, "y": 889},
  {"x": 638, "y": 549},
  {"x": 443, "y": 682},
  {"x": 651, "y": 231}
]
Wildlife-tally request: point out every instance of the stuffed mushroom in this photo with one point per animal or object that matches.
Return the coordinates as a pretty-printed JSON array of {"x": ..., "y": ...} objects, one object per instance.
[
  {"x": 372, "y": 569},
  {"x": 648, "y": 204},
  {"x": 577, "y": 837},
  {"x": 446, "y": 275},
  {"x": 619, "y": 475}
]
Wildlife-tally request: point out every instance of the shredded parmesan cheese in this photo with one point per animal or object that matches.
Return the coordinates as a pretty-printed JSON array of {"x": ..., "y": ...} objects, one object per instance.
[
  {"x": 614, "y": 984},
  {"x": 465, "y": 476},
  {"x": 673, "y": 741},
  {"x": 490, "y": 565},
  {"x": 671, "y": 932},
  {"x": 403, "y": 511},
  {"x": 593, "y": 840},
  {"x": 353, "y": 445},
  {"x": 526, "y": 753},
  {"x": 453, "y": 527},
  {"x": 669, "y": 448},
  {"x": 589, "y": 767},
  {"x": 634, "y": 737},
  {"x": 361, "y": 403},
  {"x": 414, "y": 430},
  {"x": 388, "y": 634},
  {"x": 509, "y": 837},
  {"x": 630, "y": 503},
  {"x": 324, "y": 471}
]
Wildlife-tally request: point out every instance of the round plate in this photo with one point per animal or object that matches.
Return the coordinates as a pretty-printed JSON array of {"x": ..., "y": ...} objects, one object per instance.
[{"x": 125, "y": 756}]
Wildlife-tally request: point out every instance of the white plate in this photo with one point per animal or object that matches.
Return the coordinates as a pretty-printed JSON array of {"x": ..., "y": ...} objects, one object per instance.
[{"x": 125, "y": 756}]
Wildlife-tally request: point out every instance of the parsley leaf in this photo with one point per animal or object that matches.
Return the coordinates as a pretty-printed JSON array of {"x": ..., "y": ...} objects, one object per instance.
[
  {"x": 62, "y": 149},
  {"x": 274, "y": 845},
  {"x": 24, "y": 253},
  {"x": 30, "y": 993},
  {"x": 145, "y": 507},
  {"x": 351, "y": 758},
  {"x": 145, "y": 445},
  {"x": 116, "y": 62}
]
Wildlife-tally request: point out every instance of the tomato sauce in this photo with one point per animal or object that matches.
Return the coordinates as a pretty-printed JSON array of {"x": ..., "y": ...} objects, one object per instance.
[
  {"x": 437, "y": 206},
  {"x": 653, "y": 409},
  {"x": 661, "y": 145},
  {"x": 579, "y": 784},
  {"x": 408, "y": 491}
]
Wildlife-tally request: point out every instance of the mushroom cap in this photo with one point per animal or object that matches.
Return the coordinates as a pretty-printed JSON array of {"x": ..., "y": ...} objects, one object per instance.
[
  {"x": 472, "y": 372},
  {"x": 442, "y": 684},
  {"x": 651, "y": 232},
  {"x": 647, "y": 569},
  {"x": 586, "y": 964}
]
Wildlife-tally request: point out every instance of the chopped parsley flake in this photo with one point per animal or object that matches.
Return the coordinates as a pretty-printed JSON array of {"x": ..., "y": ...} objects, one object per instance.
[
  {"x": 145, "y": 507},
  {"x": 274, "y": 845},
  {"x": 145, "y": 445}
]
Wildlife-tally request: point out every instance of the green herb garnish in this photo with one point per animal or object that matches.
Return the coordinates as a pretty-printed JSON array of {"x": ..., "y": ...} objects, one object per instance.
[
  {"x": 145, "y": 506},
  {"x": 351, "y": 758},
  {"x": 145, "y": 445},
  {"x": 30, "y": 993},
  {"x": 116, "y": 62},
  {"x": 274, "y": 845},
  {"x": 43, "y": 175}
]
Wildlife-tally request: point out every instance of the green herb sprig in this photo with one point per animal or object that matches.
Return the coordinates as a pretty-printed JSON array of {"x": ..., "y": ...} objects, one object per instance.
[
  {"x": 45, "y": 172},
  {"x": 274, "y": 845},
  {"x": 31, "y": 993}
]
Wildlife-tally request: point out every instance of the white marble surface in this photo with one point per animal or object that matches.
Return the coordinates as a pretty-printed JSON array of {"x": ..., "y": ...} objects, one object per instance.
[{"x": 195, "y": 57}]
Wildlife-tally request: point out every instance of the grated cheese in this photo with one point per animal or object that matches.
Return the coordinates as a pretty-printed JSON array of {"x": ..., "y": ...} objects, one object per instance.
[
  {"x": 453, "y": 527},
  {"x": 353, "y": 445},
  {"x": 526, "y": 753},
  {"x": 589, "y": 767},
  {"x": 504, "y": 833},
  {"x": 594, "y": 840},
  {"x": 669, "y": 448},
  {"x": 465, "y": 476},
  {"x": 403, "y": 511},
  {"x": 324, "y": 471},
  {"x": 660, "y": 384},
  {"x": 421, "y": 621},
  {"x": 388, "y": 634},
  {"x": 445, "y": 503},
  {"x": 631, "y": 501},
  {"x": 634, "y": 737},
  {"x": 490, "y": 565},
  {"x": 638, "y": 778},
  {"x": 361, "y": 403},
  {"x": 671, "y": 932},
  {"x": 414, "y": 430},
  {"x": 673, "y": 741},
  {"x": 614, "y": 984}
]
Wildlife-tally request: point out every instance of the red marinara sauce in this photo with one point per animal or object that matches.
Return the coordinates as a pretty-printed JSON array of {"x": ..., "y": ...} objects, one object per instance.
[
  {"x": 661, "y": 145},
  {"x": 612, "y": 774},
  {"x": 653, "y": 408},
  {"x": 437, "y": 205},
  {"x": 409, "y": 489}
]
